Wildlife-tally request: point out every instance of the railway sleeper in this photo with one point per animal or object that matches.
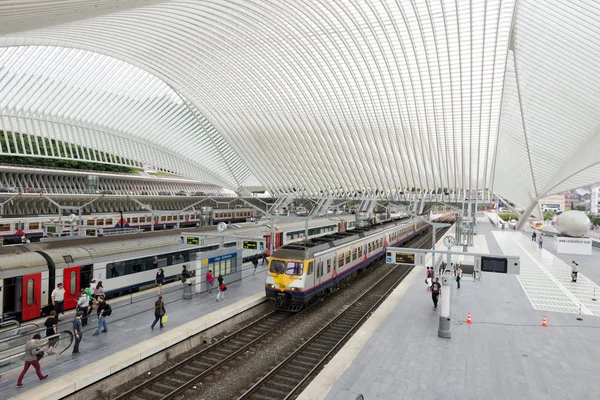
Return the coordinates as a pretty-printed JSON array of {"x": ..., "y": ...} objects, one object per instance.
[
  {"x": 202, "y": 365},
  {"x": 279, "y": 394},
  {"x": 259, "y": 396},
  {"x": 147, "y": 394},
  {"x": 307, "y": 364},
  {"x": 186, "y": 374},
  {"x": 162, "y": 388},
  {"x": 286, "y": 380},
  {"x": 279, "y": 386}
]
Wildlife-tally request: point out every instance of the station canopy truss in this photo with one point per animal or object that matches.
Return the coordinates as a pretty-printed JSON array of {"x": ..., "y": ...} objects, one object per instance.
[{"x": 314, "y": 98}]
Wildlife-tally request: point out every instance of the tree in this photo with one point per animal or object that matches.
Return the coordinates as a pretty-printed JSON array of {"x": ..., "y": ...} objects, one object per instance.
[{"x": 548, "y": 216}]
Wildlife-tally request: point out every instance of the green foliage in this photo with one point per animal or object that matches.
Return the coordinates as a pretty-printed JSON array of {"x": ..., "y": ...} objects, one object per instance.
[
  {"x": 34, "y": 145},
  {"x": 507, "y": 216},
  {"x": 548, "y": 216},
  {"x": 594, "y": 219}
]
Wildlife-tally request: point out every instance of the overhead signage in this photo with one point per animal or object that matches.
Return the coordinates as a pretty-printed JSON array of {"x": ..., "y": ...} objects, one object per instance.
[
  {"x": 221, "y": 258},
  {"x": 250, "y": 245},
  {"x": 195, "y": 240},
  {"x": 405, "y": 258}
]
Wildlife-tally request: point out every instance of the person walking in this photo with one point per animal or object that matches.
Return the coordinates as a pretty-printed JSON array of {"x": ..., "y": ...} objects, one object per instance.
[
  {"x": 429, "y": 278},
  {"x": 31, "y": 353},
  {"x": 211, "y": 280},
  {"x": 51, "y": 325},
  {"x": 574, "y": 271},
  {"x": 93, "y": 285},
  {"x": 533, "y": 237},
  {"x": 222, "y": 289},
  {"x": 99, "y": 290},
  {"x": 160, "y": 279},
  {"x": 436, "y": 291},
  {"x": 159, "y": 312},
  {"x": 458, "y": 276},
  {"x": 101, "y": 311},
  {"x": 264, "y": 259},
  {"x": 541, "y": 241},
  {"x": 255, "y": 263},
  {"x": 185, "y": 274},
  {"x": 83, "y": 304},
  {"x": 77, "y": 330},
  {"x": 58, "y": 299}
]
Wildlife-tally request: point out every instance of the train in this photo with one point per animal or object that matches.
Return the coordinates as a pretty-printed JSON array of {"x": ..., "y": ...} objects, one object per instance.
[
  {"x": 13, "y": 229},
  {"x": 126, "y": 263},
  {"x": 299, "y": 273}
]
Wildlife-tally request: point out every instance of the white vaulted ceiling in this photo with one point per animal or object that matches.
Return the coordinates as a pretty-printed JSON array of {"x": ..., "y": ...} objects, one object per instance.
[{"x": 318, "y": 96}]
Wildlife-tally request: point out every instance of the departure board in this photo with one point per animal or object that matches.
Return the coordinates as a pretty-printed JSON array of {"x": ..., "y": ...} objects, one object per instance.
[
  {"x": 250, "y": 245},
  {"x": 405, "y": 258},
  {"x": 193, "y": 240}
]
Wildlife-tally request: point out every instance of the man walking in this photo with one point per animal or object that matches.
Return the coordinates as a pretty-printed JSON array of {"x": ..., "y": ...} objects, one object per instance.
[
  {"x": 83, "y": 303},
  {"x": 574, "y": 271},
  {"x": 533, "y": 237},
  {"x": 77, "y": 331},
  {"x": 458, "y": 276},
  {"x": 58, "y": 299},
  {"x": 102, "y": 307},
  {"x": 255, "y": 263},
  {"x": 31, "y": 352},
  {"x": 436, "y": 291}
]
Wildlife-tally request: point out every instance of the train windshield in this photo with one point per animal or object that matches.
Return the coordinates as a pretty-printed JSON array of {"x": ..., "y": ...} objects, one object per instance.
[{"x": 288, "y": 267}]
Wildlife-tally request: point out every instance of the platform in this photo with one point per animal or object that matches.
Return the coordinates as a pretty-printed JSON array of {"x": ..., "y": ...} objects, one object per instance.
[
  {"x": 504, "y": 354},
  {"x": 130, "y": 338}
]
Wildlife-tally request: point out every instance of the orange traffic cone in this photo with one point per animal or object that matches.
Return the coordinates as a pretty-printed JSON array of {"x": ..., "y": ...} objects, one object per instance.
[
  {"x": 469, "y": 319},
  {"x": 544, "y": 322}
]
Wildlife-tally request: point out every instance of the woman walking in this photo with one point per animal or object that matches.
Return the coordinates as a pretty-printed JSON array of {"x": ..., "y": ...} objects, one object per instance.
[
  {"x": 159, "y": 312},
  {"x": 222, "y": 289},
  {"x": 160, "y": 279},
  {"x": 458, "y": 276},
  {"x": 99, "y": 291},
  {"x": 211, "y": 281}
]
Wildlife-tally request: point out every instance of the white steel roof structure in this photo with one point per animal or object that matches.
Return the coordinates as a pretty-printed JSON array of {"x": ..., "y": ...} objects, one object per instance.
[{"x": 314, "y": 97}]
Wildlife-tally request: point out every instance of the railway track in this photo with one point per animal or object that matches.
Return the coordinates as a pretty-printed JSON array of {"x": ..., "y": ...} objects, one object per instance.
[{"x": 179, "y": 377}]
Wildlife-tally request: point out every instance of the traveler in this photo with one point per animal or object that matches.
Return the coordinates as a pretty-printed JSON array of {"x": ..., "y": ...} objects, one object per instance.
[
  {"x": 101, "y": 311},
  {"x": 58, "y": 299},
  {"x": 83, "y": 305},
  {"x": 533, "y": 237},
  {"x": 222, "y": 289},
  {"x": 77, "y": 331},
  {"x": 93, "y": 285},
  {"x": 184, "y": 274},
  {"x": 220, "y": 279},
  {"x": 99, "y": 290},
  {"x": 264, "y": 259},
  {"x": 429, "y": 278},
  {"x": 255, "y": 263},
  {"x": 211, "y": 280},
  {"x": 31, "y": 358},
  {"x": 436, "y": 291},
  {"x": 159, "y": 312},
  {"x": 541, "y": 241},
  {"x": 458, "y": 276},
  {"x": 51, "y": 329},
  {"x": 574, "y": 271},
  {"x": 160, "y": 279}
]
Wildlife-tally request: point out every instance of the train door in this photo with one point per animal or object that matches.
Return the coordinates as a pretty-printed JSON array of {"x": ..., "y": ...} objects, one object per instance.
[
  {"x": 319, "y": 273},
  {"x": 268, "y": 244},
  {"x": 31, "y": 296},
  {"x": 86, "y": 275},
  {"x": 71, "y": 281},
  {"x": 343, "y": 225},
  {"x": 278, "y": 239}
]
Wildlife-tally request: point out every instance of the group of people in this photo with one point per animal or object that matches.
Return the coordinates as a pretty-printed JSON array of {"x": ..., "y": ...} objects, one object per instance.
[
  {"x": 435, "y": 287},
  {"x": 540, "y": 240}
]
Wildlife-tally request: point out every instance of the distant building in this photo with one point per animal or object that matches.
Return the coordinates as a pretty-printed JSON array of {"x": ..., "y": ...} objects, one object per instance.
[
  {"x": 555, "y": 203},
  {"x": 594, "y": 199}
]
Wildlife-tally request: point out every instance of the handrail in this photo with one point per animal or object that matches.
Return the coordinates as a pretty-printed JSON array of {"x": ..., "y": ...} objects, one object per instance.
[
  {"x": 16, "y": 353},
  {"x": 21, "y": 331},
  {"x": 4, "y": 328}
]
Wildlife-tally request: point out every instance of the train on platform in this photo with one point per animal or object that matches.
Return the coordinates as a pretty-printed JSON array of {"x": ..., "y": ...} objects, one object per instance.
[
  {"x": 299, "y": 273},
  {"x": 126, "y": 263},
  {"x": 12, "y": 230}
]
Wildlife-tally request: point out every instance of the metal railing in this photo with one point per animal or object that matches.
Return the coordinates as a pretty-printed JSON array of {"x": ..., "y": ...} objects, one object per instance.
[{"x": 13, "y": 357}]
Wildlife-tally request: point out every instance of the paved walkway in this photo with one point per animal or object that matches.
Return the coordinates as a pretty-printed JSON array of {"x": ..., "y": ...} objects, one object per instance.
[{"x": 130, "y": 324}]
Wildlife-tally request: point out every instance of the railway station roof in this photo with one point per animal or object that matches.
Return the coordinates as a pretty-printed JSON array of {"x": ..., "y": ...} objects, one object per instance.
[{"x": 313, "y": 97}]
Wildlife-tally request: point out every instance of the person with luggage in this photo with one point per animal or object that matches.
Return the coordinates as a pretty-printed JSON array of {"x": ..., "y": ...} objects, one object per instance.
[
  {"x": 159, "y": 312},
  {"x": 51, "y": 325},
  {"x": 83, "y": 305},
  {"x": 210, "y": 278},
  {"x": 32, "y": 352},
  {"x": 436, "y": 291},
  {"x": 103, "y": 311},
  {"x": 77, "y": 331},
  {"x": 574, "y": 271},
  {"x": 160, "y": 280}
]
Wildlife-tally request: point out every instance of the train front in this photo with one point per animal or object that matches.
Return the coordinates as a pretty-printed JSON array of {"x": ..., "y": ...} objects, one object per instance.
[{"x": 286, "y": 280}]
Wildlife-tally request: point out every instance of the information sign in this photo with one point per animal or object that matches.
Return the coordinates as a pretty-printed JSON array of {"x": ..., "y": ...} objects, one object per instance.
[
  {"x": 193, "y": 240},
  {"x": 405, "y": 258},
  {"x": 250, "y": 245}
]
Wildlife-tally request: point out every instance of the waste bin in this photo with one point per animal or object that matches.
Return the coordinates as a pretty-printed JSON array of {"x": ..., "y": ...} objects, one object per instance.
[{"x": 187, "y": 289}]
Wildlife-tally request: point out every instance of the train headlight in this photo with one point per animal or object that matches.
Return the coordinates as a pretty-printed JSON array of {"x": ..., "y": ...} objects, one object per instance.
[
  {"x": 294, "y": 289},
  {"x": 270, "y": 286}
]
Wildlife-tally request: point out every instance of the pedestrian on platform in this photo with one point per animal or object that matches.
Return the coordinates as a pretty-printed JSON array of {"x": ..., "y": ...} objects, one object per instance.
[
  {"x": 429, "y": 279},
  {"x": 77, "y": 330},
  {"x": 458, "y": 276},
  {"x": 574, "y": 271},
  {"x": 93, "y": 286},
  {"x": 185, "y": 274},
  {"x": 159, "y": 312},
  {"x": 436, "y": 291},
  {"x": 222, "y": 289},
  {"x": 264, "y": 259},
  {"x": 255, "y": 263},
  {"x": 83, "y": 305},
  {"x": 533, "y": 237},
  {"x": 99, "y": 291},
  {"x": 220, "y": 279},
  {"x": 211, "y": 280},
  {"x": 51, "y": 325},
  {"x": 101, "y": 311},
  {"x": 58, "y": 299},
  {"x": 541, "y": 241},
  {"x": 31, "y": 358},
  {"x": 160, "y": 279}
]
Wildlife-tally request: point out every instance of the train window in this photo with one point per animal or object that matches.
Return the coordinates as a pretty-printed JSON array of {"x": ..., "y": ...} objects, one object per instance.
[
  {"x": 348, "y": 257},
  {"x": 148, "y": 219},
  {"x": 163, "y": 218},
  {"x": 341, "y": 259},
  {"x": 360, "y": 251},
  {"x": 294, "y": 268},
  {"x": 100, "y": 221},
  {"x": 30, "y": 291},
  {"x": 91, "y": 222},
  {"x": 328, "y": 266},
  {"x": 134, "y": 220},
  {"x": 108, "y": 221},
  {"x": 4, "y": 227},
  {"x": 369, "y": 250},
  {"x": 354, "y": 251},
  {"x": 310, "y": 268},
  {"x": 169, "y": 218},
  {"x": 34, "y": 225},
  {"x": 73, "y": 285},
  {"x": 277, "y": 267}
]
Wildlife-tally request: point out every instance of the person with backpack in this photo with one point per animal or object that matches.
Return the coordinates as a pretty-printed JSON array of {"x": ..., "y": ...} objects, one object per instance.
[
  {"x": 185, "y": 274},
  {"x": 103, "y": 310},
  {"x": 222, "y": 289},
  {"x": 211, "y": 280},
  {"x": 159, "y": 312}
]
